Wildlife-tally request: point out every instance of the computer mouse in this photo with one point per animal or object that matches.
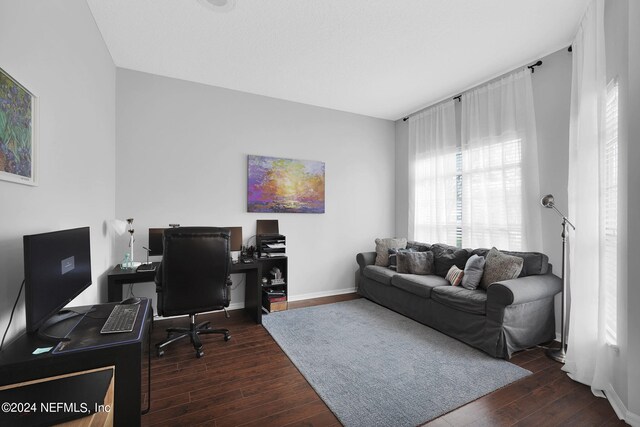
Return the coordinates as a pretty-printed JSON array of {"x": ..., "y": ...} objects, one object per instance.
[{"x": 132, "y": 300}]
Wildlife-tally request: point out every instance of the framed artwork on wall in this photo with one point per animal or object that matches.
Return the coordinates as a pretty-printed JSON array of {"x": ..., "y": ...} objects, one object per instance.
[
  {"x": 18, "y": 131},
  {"x": 275, "y": 184}
]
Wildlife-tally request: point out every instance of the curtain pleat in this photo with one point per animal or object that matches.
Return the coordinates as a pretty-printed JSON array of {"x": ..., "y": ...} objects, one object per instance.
[{"x": 432, "y": 175}]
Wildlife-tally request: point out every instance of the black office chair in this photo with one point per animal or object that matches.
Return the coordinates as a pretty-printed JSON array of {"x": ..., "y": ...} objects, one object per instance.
[{"x": 193, "y": 278}]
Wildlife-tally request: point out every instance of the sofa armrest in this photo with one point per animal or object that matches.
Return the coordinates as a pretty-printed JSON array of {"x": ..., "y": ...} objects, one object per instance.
[
  {"x": 365, "y": 258},
  {"x": 523, "y": 289}
]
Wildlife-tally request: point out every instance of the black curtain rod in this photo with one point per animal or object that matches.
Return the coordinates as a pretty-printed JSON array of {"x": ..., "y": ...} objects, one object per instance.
[
  {"x": 532, "y": 67},
  {"x": 459, "y": 97}
]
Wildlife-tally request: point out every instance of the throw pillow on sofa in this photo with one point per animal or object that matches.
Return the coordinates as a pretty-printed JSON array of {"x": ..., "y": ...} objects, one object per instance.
[
  {"x": 499, "y": 266},
  {"x": 445, "y": 256},
  {"x": 455, "y": 276},
  {"x": 393, "y": 256},
  {"x": 415, "y": 262},
  {"x": 383, "y": 246},
  {"x": 473, "y": 270}
]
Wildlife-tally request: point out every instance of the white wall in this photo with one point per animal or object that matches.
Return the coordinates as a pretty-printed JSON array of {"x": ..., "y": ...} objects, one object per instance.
[
  {"x": 53, "y": 48},
  {"x": 633, "y": 231},
  {"x": 552, "y": 95},
  {"x": 181, "y": 158},
  {"x": 631, "y": 313}
]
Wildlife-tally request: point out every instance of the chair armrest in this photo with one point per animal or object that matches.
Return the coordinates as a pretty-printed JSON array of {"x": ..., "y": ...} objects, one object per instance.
[
  {"x": 158, "y": 278},
  {"x": 524, "y": 289},
  {"x": 365, "y": 258}
]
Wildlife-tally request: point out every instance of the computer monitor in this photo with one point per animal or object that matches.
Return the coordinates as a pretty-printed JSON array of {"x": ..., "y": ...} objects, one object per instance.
[
  {"x": 236, "y": 238},
  {"x": 155, "y": 241},
  {"x": 235, "y": 234},
  {"x": 266, "y": 226},
  {"x": 57, "y": 268}
]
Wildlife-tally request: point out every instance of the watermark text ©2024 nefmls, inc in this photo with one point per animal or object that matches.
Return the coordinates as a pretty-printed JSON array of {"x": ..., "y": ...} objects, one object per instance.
[{"x": 53, "y": 407}]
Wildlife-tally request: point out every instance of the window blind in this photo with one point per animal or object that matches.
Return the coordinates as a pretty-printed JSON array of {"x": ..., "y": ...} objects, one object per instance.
[{"x": 609, "y": 214}]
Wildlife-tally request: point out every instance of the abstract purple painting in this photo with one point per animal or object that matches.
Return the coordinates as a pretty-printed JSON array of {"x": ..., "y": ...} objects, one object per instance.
[
  {"x": 285, "y": 185},
  {"x": 17, "y": 131}
]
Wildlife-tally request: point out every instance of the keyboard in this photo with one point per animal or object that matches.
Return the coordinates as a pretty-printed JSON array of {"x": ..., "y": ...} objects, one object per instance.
[
  {"x": 146, "y": 267},
  {"x": 121, "y": 319}
]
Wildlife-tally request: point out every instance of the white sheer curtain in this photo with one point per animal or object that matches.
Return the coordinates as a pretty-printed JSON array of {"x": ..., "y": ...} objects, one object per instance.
[
  {"x": 588, "y": 358},
  {"x": 500, "y": 184},
  {"x": 432, "y": 175}
]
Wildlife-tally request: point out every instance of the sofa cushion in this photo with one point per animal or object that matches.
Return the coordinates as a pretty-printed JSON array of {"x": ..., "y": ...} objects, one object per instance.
[
  {"x": 445, "y": 256},
  {"x": 415, "y": 262},
  {"x": 473, "y": 271},
  {"x": 499, "y": 266},
  {"x": 534, "y": 262},
  {"x": 418, "y": 285},
  {"x": 459, "y": 298},
  {"x": 383, "y": 246},
  {"x": 379, "y": 274}
]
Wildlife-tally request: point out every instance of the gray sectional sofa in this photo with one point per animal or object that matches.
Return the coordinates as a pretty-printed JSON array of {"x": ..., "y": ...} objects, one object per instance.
[{"x": 510, "y": 315}]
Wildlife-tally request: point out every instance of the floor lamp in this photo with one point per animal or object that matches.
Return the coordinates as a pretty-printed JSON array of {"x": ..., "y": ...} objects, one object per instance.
[{"x": 560, "y": 354}]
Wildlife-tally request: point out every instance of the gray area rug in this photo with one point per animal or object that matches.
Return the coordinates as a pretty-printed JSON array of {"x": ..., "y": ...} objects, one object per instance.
[{"x": 374, "y": 367}]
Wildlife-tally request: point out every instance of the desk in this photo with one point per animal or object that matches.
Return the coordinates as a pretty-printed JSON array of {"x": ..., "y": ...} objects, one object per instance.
[
  {"x": 253, "y": 288},
  {"x": 118, "y": 277},
  {"x": 87, "y": 350},
  {"x": 122, "y": 276}
]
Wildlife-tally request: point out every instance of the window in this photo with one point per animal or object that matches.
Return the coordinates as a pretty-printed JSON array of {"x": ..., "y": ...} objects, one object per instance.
[
  {"x": 471, "y": 177},
  {"x": 435, "y": 194},
  {"x": 609, "y": 214},
  {"x": 479, "y": 190},
  {"x": 491, "y": 194}
]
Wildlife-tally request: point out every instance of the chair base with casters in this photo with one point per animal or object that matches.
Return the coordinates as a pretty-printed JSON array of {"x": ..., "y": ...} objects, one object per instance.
[{"x": 176, "y": 334}]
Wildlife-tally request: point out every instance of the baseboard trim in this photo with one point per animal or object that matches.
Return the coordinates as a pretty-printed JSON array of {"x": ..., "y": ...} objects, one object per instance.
[
  {"x": 322, "y": 294},
  {"x": 301, "y": 297},
  {"x": 620, "y": 409},
  {"x": 236, "y": 306}
]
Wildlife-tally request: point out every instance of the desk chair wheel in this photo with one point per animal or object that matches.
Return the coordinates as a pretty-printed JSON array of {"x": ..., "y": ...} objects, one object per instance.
[
  {"x": 227, "y": 337},
  {"x": 199, "y": 352},
  {"x": 160, "y": 353}
]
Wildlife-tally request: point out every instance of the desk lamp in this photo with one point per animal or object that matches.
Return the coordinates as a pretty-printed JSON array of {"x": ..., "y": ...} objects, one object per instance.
[{"x": 120, "y": 227}]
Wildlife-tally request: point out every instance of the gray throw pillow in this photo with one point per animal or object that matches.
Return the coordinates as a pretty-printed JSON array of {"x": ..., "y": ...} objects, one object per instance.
[
  {"x": 415, "y": 262},
  {"x": 383, "y": 246},
  {"x": 473, "y": 270},
  {"x": 393, "y": 255},
  {"x": 499, "y": 266},
  {"x": 445, "y": 256}
]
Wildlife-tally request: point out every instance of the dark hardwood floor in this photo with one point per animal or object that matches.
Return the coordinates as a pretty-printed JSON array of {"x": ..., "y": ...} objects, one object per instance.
[{"x": 249, "y": 381}]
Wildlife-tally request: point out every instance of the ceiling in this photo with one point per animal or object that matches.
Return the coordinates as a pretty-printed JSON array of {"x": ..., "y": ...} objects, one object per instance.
[{"x": 380, "y": 58}]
